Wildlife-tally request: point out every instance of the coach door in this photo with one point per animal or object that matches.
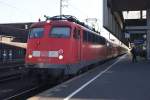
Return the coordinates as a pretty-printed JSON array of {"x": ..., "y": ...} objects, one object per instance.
[{"x": 77, "y": 36}]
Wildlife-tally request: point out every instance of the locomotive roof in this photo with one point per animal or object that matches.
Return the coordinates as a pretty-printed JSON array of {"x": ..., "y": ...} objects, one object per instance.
[
  {"x": 43, "y": 23},
  {"x": 38, "y": 24},
  {"x": 63, "y": 22}
]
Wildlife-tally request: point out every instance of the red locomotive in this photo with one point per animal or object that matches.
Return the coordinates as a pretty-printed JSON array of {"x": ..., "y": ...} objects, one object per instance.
[{"x": 62, "y": 45}]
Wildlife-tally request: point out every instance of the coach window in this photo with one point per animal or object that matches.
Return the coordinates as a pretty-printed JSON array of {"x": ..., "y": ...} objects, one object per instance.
[
  {"x": 79, "y": 35},
  {"x": 76, "y": 34},
  {"x": 60, "y": 32},
  {"x": 36, "y": 32},
  {"x": 90, "y": 37},
  {"x": 103, "y": 41},
  {"x": 93, "y": 38},
  {"x": 85, "y": 36},
  {"x": 96, "y": 39}
]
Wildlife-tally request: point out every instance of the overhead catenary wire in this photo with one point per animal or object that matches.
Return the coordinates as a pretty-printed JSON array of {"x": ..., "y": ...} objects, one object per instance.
[
  {"x": 77, "y": 9},
  {"x": 84, "y": 14}
]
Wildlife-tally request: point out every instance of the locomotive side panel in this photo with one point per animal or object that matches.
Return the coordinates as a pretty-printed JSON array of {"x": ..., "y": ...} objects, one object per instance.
[{"x": 94, "y": 48}]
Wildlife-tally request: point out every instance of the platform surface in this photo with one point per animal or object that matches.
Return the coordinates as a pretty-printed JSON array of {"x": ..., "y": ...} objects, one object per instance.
[{"x": 119, "y": 79}]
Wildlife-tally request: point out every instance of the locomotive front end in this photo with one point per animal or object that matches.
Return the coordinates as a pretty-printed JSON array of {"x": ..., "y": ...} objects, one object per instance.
[{"x": 49, "y": 47}]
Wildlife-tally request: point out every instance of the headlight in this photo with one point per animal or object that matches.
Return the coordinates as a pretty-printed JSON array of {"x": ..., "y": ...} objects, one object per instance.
[
  {"x": 60, "y": 57},
  {"x": 29, "y": 56}
]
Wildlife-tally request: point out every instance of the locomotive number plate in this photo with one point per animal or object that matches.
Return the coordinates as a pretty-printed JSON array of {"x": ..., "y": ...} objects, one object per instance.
[{"x": 53, "y": 54}]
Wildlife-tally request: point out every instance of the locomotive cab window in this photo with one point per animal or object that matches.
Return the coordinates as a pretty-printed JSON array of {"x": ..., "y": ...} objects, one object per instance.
[
  {"x": 36, "y": 32},
  {"x": 60, "y": 32}
]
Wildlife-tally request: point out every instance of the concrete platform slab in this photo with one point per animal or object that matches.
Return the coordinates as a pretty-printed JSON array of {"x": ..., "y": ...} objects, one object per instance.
[{"x": 119, "y": 79}]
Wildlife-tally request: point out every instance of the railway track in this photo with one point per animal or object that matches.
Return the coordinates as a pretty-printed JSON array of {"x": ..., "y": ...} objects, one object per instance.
[
  {"x": 31, "y": 90},
  {"x": 10, "y": 77},
  {"x": 8, "y": 67},
  {"x": 25, "y": 93},
  {"x": 9, "y": 73}
]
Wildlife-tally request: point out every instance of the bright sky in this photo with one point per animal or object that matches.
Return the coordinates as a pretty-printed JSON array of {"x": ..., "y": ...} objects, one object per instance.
[
  {"x": 13, "y": 11},
  {"x": 31, "y": 10}
]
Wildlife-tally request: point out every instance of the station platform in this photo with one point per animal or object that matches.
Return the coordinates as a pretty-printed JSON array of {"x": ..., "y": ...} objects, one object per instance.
[{"x": 118, "y": 79}]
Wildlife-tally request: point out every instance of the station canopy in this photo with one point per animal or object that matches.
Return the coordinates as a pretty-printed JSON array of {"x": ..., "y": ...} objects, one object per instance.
[
  {"x": 129, "y": 5},
  {"x": 133, "y": 14}
]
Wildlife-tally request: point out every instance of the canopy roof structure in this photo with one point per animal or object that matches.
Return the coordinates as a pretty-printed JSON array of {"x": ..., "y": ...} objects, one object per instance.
[{"x": 129, "y": 5}]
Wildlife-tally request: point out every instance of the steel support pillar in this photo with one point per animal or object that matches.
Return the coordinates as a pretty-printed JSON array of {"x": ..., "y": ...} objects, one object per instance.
[{"x": 148, "y": 34}]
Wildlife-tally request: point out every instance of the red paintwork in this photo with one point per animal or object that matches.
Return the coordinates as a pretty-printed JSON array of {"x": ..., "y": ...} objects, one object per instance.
[{"x": 75, "y": 51}]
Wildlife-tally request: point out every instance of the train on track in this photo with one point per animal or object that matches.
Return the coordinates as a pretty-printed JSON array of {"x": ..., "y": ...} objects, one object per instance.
[{"x": 62, "y": 45}]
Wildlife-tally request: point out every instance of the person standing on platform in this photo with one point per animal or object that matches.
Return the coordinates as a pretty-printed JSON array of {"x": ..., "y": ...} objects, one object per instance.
[{"x": 134, "y": 54}]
